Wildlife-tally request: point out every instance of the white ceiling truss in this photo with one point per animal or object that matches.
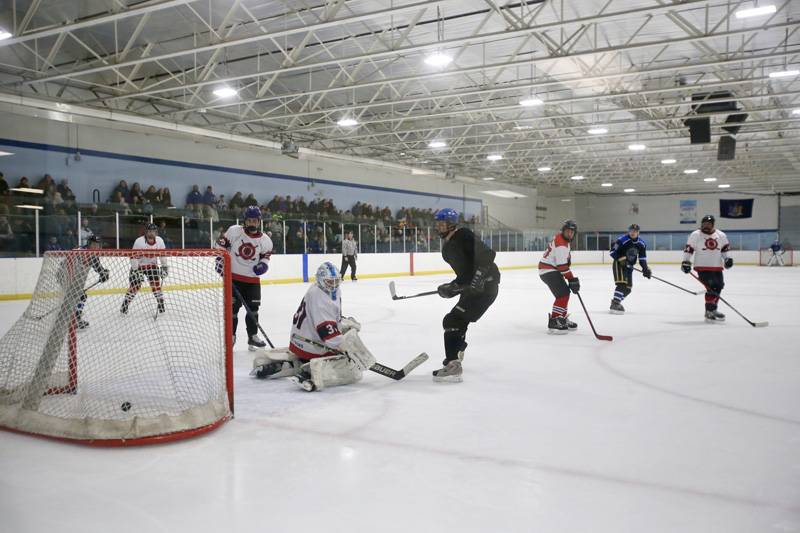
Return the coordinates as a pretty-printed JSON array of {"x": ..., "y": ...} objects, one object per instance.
[{"x": 630, "y": 66}]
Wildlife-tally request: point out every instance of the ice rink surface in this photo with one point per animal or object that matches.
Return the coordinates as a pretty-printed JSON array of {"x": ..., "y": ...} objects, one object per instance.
[{"x": 675, "y": 426}]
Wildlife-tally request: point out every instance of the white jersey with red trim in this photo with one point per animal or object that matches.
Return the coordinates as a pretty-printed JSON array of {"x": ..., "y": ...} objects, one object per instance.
[
  {"x": 557, "y": 257},
  {"x": 318, "y": 318},
  {"x": 246, "y": 252},
  {"x": 143, "y": 244},
  {"x": 710, "y": 250}
]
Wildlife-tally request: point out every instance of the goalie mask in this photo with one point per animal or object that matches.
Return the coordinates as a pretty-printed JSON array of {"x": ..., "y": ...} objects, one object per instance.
[{"x": 328, "y": 279}]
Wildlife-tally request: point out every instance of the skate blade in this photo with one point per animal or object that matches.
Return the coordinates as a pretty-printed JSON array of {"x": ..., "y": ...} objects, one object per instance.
[
  {"x": 557, "y": 331},
  {"x": 615, "y": 312},
  {"x": 713, "y": 321},
  {"x": 448, "y": 379}
]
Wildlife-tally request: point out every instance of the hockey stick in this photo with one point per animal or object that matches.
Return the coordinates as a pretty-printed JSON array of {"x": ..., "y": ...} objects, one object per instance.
[
  {"x": 252, "y": 316},
  {"x": 376, "y": 367},
  {"x": 695, "y": 293},
  {"x": 51, "y": 311},
  {"x": 393, "y": 291},
  {"x": 599, "y": 337},
  {"x": 754, "y": 324}
]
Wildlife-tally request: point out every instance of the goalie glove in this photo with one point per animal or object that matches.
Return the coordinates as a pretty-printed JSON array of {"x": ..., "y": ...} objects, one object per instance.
[
  {"x": 686, "y": 266},
  {"x": 104, "y": 275},
  {"x": 347, "y": 323},
  {"x": 449, "y": 290}
]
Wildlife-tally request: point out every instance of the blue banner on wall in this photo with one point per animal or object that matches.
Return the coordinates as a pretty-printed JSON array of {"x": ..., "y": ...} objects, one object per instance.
[
  {"x": 688, "y": 211},
  {"x": 736, "y": 208}
]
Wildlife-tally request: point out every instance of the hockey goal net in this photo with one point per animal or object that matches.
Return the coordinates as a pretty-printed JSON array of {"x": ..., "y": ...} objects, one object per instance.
[
  {"x": 75, "y": 367},
  {"x": 785, "y": 257}
]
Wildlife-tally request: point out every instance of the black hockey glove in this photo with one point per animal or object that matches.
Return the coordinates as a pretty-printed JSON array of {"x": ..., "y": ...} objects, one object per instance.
[
  {"x": 449, "y": 290},
  {"x": 686, "y": 266},
  {"x": 574, "y": 285},
  {"x": 646, "y": 272},
  {"x": 104, "y": 275},
  {"x": 729, "y": 262},
  {"x": 164, "y": 271},
  {"x": 478, "y": 283},
  {"x": 219, "y": 266}
]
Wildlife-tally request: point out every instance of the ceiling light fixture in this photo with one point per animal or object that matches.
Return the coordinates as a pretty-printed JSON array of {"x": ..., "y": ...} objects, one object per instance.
[
  {"x": 347, "y": 122},
  {"x": 494, "y": 157},
  {"x": 756, "y": 12},
  {"x": 637, "y": 147},
  {"x": 4, "y": 34},
  {"x": 796, "y": 111},
  {"x": 544, "y": 169},
  {"x": 437, "y": 144},
  {"x": 523, "y": 127},
  {"x": 724, "y": 186},
  {"x": 6, "y": 153},
  {"x": 488, "y": 179},
  {"x": 668, "y": 161},
  {"x": 225, "y": 92},
  {"x": 577, "y": 178},
  {"x": 606, "y": 184},
  {"x": 784, "y": 73},
  {"x": 598, "y": 131},
  {"x": 438, "y": 59},
  {"x": 505, "y": 194},
  {"x": 630, "y": 190},
  {"x": 691, "y": 171},
  {"x": 709, "y": 180},
  {"x": 530, "y": 102}
]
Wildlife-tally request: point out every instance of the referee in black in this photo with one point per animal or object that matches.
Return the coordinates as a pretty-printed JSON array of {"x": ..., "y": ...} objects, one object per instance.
[{"x": 349, "y": 254}]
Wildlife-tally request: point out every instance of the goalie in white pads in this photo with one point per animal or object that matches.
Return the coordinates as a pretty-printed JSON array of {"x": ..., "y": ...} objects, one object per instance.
[
  {"x": 148, "y": 267},
  {"x": 324, "y": 346}
]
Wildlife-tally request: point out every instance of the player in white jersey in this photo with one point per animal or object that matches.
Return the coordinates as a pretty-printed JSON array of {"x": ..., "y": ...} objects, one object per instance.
[
  {"x": 554, "y": 271},
  {"x": 149, "y": 266},
  {"x": 250, "y": 251},
  {"x": 709, "y": 246}
]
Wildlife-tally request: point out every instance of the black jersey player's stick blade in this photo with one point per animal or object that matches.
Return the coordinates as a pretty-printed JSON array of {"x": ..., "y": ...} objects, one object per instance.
[
  {"x": 597, "y": 335},
  {"x": 393, "y": 292}
]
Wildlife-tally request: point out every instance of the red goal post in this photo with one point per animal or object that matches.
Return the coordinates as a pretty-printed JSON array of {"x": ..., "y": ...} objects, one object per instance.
[
  {"x": 76, "y": 367},
  {"x": 784, "y": 258}
]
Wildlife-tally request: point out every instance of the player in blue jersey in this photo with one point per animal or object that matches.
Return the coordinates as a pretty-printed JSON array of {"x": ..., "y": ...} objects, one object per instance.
[
  {"x": 777, "y": 254},
  {"x": 625, "y": 251}
]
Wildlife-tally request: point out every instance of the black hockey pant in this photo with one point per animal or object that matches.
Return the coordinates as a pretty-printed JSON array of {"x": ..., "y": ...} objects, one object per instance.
[
  {"x": 348, "y": 260},
  {"x": 623, "y": 279},
  {"x": 251, "y": 292},
  {"x": 470, "y": 308}
]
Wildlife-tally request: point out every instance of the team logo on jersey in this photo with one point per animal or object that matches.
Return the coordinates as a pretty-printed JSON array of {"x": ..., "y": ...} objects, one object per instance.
[
  {"x": 246, "y": 251},
  {"x": 711, "y": 244}
]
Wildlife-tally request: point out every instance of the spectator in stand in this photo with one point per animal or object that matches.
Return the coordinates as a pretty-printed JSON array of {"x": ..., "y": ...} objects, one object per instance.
[
  {"x": 64, "y": 190},
  {"x": 53, "y": 245},
  {"x": 85, "y": 233},
  {"x": 209, "y": 198},
  {"x": 151, "y": 195},
  {"x": 166, "y": 197},
  {"x": 4, "y": 192},
  {"x": 222, "y": 204},
  {"x": 6, "y": 235},
  {"x": 136, "y": 196},
  {"x": 194, "y": 197},
  {"x": 347, "y": 216},
  {"x": 119, "y": 203},
  {"x": 274, "y": 203},
  {"x": 283, "y": 204},
  {"x": 23, "y": 183},
  {"x": 237, "y": 202},
  {"x": 122, "y": 189},
  {"x": 250, "y": 200},
  {"x": 46, "y": 182}
]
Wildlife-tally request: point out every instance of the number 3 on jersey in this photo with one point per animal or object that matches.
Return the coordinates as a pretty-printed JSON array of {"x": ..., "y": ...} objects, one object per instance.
[{"x": 300, "y": 315}]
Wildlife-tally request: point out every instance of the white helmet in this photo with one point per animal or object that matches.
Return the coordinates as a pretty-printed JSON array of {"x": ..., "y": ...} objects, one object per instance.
[{"x": 328, "y": 278}]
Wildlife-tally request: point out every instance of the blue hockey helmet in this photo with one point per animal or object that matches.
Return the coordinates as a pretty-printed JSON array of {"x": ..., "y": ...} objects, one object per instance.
[
  {"x": 328, "y": 279},
  {"x": 446, "y": 214},
  {"x": 252, "y": 212}
]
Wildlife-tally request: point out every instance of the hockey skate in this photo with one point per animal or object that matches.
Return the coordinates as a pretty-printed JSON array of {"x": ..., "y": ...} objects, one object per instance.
[
  {"x": 81, "y": 323},
  {"x": 557, "y": 325},
  {"x": 450, "y": 372},
  {"x": 124, "y": 308},
  {"x": 303, "y": 379},
  {"x": 161, "y": 307},
  {"x": 253, "y": 343},
  {"x": 616, "y": 308},
  {"x": 714, "y": 317},
  {"x": 571, "y": 326}
]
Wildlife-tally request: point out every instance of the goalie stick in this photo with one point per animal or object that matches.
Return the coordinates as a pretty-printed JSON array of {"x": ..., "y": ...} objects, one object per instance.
[
  {"x": 599, "y": 337},
  {"x": 252, "y": 316},
  {"x": 754, "y": 324},
  {"x": 695, "y": 293},
  {"x": 378, "y": 368},
  {"x": 393, "y": 292}
]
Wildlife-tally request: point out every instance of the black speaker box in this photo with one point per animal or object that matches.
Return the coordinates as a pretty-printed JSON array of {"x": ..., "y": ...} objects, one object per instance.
[
  {"x": 726, "y": 151},
  {"x": 699, "y": 130}
]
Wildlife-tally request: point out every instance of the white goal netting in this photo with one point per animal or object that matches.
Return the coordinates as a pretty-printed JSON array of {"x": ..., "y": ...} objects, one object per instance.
[
  {"x": 769, "y": 257},
  {"x": 82, "y": 364}
]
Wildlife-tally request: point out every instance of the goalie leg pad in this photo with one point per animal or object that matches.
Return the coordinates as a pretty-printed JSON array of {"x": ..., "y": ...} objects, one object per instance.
[
  {"x": 334, "y": 370},
  {"x": 352, "y": 344}
]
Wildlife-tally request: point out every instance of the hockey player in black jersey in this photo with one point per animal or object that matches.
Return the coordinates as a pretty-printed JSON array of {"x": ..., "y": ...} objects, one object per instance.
[
  {"x": 625, "y": 251},
  {"x": 92, "y": 243},
  {"x": 476, "y": 284}
]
